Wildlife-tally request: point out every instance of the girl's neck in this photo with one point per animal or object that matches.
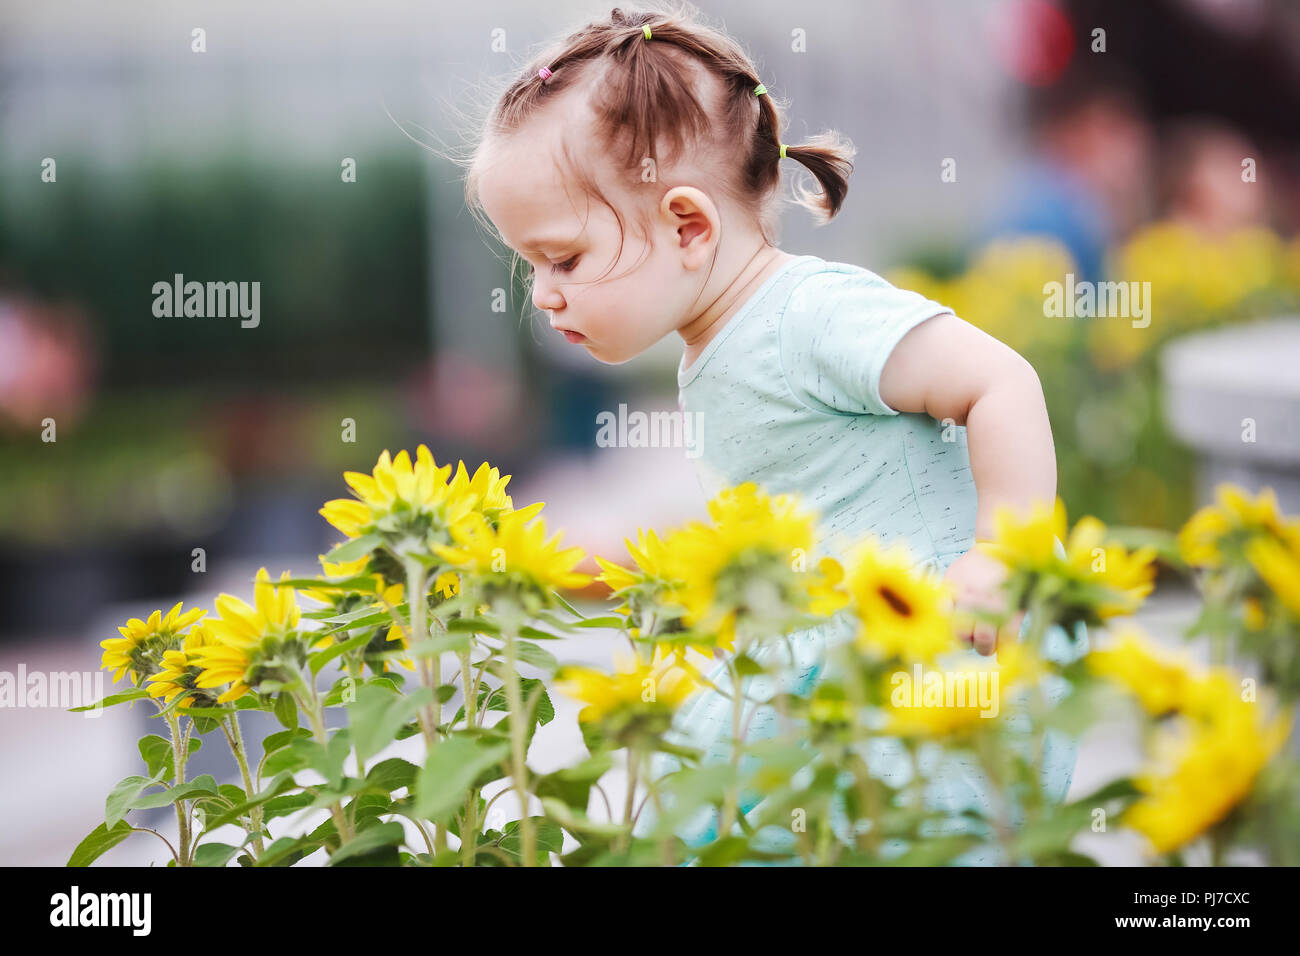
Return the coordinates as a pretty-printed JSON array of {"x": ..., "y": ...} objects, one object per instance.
[{"x": 701, "y": 330}]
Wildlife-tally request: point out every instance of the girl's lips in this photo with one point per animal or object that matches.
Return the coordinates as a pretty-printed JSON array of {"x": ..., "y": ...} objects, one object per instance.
[{"x": 573, "y": 336}]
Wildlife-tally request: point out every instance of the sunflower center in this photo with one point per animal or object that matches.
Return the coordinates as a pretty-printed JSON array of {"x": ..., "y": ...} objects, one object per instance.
[{"x": 895, "y": 602}]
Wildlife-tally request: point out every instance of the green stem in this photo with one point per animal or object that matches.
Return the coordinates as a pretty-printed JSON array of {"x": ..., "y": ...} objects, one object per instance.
[
  {"x": 182, "y": 814},
  {"x": 236, "y": 740},
  {"x": 732, "y": 800},
  {"x": 417, "y": 602},
  {"x": 469, "y": 827},
  {"x": 517, "y": 744},
  {"x": 311, "y": 706}
]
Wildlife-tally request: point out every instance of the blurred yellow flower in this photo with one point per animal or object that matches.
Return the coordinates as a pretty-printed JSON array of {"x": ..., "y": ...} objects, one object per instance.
[
  {"x": 1160, "y": 681},
  {"x": 957, "y": 699},
  {"x": 1279, "y": 566},
  {"x": 1235, "y": 514},
  {"x": 1206, "y": 766},
  {"x": 656, "y": 688}
]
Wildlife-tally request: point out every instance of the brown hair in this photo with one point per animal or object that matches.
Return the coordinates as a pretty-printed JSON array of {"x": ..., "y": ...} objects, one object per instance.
[{"x": 648, "y": 97}]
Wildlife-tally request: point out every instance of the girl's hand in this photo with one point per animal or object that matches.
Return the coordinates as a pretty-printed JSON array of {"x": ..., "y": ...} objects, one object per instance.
[{"x": 976, "y": 581}]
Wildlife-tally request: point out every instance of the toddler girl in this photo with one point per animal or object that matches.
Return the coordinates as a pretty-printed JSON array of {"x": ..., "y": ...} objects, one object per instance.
[{"x": 636, "y": 167}]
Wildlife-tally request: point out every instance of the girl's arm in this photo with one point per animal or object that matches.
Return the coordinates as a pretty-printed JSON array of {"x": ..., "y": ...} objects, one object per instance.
[{"x": 947, "y": 368}]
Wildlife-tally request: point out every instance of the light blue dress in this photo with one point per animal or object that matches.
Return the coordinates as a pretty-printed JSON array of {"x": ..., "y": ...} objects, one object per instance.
[{"x": 787, "y": 395}]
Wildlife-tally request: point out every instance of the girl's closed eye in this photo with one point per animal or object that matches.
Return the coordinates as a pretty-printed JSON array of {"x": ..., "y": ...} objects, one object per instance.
[{"x": 567, "y": 266}]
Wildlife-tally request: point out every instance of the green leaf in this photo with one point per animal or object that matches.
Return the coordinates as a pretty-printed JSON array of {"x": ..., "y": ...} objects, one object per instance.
[
  {"x": 279, "y": 783},
  {"x": 549, "y": 838},
  {"x": 282, "y": 738},
  {"x": 576, "y": 821},
  {"x": 354, "y": 548},
  {"x": 286, "y": 711},
  {"x": 320, "y": 659},
  {"x": 283, "y": 806},
  {"x": 126, "y": 793},
  {"x": 565, "y": 604},
  {"x": 609, "y": 620},
  {"x": 135, "y": 693},
  {"x": 475, "y": 625},
  {"x": 205, "y": 784},
  {"x": 378, "y": 714},
  {"x": 527, "y": 630},
  {"x": 287, "y": 851},
  {"x": 530, "y": 653},
  {"x": 384, "y": 835},
  {"x": 214, "y": 854},
  {"x": 725, "y": 852},
  {"x": 430, "y": 648},
  {"x": 391, "y": 774},
  {"x": 157, "y": 754},
  {"x": 451, "y": 768},
  {"x": 102, "y": 839},
  {"x": 573, "y": 784},
  {"x": 362, "y": 583}
]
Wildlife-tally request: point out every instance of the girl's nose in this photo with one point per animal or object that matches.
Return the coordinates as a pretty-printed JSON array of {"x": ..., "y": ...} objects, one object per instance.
[{"x": 546, "y": 297}]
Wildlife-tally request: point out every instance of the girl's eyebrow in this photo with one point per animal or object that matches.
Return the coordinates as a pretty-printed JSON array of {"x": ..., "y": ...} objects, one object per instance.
[{"x": 542, "y": 242}]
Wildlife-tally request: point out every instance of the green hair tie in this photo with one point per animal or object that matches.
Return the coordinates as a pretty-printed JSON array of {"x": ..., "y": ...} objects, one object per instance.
[
  {"x": 646, "y": 30},
  {"x": 783, "y": 150},
  {"x": 760, "y": 90}
]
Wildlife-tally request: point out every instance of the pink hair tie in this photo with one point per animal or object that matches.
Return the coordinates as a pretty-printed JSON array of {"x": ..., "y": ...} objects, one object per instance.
[{"x": 544, "y": 73}]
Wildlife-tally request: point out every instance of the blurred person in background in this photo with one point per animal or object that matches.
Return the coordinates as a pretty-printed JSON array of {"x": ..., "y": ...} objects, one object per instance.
[
  {"x": 1202, "y": 185},
  {"x": 1086, "y": 179},
  {"x": 47, "y": 364}
]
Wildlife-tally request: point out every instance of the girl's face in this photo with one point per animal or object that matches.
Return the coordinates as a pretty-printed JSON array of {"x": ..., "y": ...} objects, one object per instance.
[{"x": 638, "y": 302}]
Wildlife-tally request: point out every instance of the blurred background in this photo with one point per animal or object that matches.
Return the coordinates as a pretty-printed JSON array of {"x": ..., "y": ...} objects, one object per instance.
[{"x": 1002, "y": 144}]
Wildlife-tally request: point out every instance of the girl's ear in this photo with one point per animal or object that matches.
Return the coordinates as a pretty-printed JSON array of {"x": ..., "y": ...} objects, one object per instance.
[{"x": 694, "y": 217}]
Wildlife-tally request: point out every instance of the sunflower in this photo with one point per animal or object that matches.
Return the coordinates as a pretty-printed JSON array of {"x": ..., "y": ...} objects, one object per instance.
[
  {"x": 902, "y": 614},
  {"x": 180, "y": 670},
  {"x": 1027, "y": 543},
  {"x": 1160, "y": 681},
  {"x": 142, "y": 645},
  {"x": 646, "y": 592},
  {"x": 1088, "y": 578},
  {"x": 1279, "y": 567},
  {"x": 392, "y": 595},
  {"x": 970, "y": 694},
  {"x": 748, "y": 564},
  {"x": 485, "y": 492},
  {"x": 345, "y": 569},
  {"x": 252, "y": 644},
  {"x": 1206, "y": 766},
  {"x": 401, "y": 498},
  {"x": 635, "y": 688},
  {"x": 514, "y": 558},
  {"x": 1234, "y": 519},
  {"x": 1127, "y": 577}
]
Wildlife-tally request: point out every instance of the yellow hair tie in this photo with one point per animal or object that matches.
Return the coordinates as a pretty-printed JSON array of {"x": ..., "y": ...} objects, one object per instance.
[
  {"x": 760, "y": 90},
  {"x": 783, "y": 150},
  {"x": 646, "y": 30}
]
